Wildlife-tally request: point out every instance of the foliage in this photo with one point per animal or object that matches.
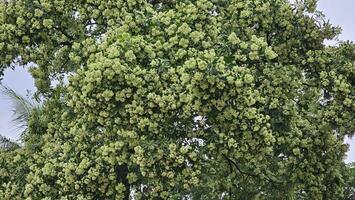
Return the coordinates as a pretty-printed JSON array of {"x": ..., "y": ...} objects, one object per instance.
[
  {"x": 7, "y": 144},
  {"x": 200, "y": 99},
  {"x": 350, "y": 184},
  {"x": 13, "y": 172}
]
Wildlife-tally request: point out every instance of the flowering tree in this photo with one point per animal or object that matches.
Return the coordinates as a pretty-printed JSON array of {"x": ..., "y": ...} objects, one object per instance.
[{"x": 192, "y": 99}]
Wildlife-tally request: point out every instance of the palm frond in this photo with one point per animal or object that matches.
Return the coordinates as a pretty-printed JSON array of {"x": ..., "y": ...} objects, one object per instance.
[{"x": 21, "y": 108}]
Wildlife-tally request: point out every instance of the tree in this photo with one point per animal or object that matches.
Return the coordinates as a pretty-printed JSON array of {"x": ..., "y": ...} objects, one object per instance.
[
  {"x": 13, "y": 155},
  {"x": 350, "y": 184},
  {"x": 7, "y": 144},
  {"x": 198, "y": 99},
  {"x": 13, "y": 169}
]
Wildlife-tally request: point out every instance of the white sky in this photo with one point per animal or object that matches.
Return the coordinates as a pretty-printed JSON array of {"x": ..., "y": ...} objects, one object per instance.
[{"x": 340, "y": 12}]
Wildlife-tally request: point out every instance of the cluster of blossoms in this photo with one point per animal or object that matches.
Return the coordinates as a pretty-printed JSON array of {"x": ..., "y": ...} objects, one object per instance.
[{"x": 176, "y": 99}]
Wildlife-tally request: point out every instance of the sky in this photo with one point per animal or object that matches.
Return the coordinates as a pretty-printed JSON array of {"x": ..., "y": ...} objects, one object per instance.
[{"x": 340, "y": 12}]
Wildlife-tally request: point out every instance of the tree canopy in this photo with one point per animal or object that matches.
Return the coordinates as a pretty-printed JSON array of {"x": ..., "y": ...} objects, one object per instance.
[{"x": 190, "y": 99}]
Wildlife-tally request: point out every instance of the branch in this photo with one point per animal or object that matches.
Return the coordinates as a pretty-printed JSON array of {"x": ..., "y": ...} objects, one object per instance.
[
  {"x": 249, "y": 174},
  {"x": 237, "y": 167},
  {"x": 231, "y": 170}
]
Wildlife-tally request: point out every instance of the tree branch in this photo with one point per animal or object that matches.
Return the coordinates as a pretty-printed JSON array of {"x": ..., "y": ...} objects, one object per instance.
[{"x": 247, "y": 173}]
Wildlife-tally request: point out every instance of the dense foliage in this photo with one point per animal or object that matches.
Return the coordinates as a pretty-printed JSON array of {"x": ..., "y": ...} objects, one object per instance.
[{"x": 190, "y": 99}]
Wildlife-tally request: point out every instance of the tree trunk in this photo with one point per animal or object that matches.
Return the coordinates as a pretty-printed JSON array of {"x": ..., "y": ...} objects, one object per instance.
[{"x": 121, "y": 176}]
